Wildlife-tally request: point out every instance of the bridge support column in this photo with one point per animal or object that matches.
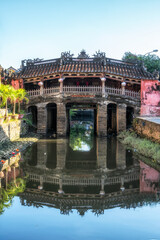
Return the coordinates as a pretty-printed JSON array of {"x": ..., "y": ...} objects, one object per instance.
[
  {"x": 121, "y": 117},
  {"x": 101, "y": 154},
  {"x": 61, "y": 84},
  {"x": 61, "y": 120},
  {"x": 41, "y": 118},
  {"x": 41, "y": 154},
  {"x": 102, "y": 120},
  {"x": 61, "y": 153},
  {"x": 120, "y": 156}
]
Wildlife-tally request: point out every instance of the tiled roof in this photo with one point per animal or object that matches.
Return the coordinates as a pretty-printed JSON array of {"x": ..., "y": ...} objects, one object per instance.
[{"x": 41, "y": 68}]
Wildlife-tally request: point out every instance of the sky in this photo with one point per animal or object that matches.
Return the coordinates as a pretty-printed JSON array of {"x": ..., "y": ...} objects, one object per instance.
[{"x": 44, "y": 28}]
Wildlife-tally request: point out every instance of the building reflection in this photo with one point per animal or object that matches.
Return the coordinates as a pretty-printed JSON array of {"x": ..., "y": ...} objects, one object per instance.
[
  {"x": 104, "y": 177},
  {"x": 11, "y": 183}
]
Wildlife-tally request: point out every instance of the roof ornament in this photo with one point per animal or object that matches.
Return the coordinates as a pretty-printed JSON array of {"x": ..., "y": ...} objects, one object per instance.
[
  {"x": 27, "y": 62},
  {"x": 65, "y": 56},
  {"x": 83, "y": 54},
  {"x": 100, "y": 56}
]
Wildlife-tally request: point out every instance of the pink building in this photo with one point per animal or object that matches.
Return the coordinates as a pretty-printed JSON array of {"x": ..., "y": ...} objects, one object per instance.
[
  {"x": 149, "y": 178},
  {"x": 150, "y": 98}
]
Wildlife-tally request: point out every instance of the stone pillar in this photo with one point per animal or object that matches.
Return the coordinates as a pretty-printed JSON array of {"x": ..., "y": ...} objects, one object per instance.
[
  {"x": 120, "y": 156},
  {"x": 121, "y": 117},
  {"x": 40, "y": 187},
  {"x": 102, "y": 192},
  {"x": 123, "y": 85},
  {"x": 101, "y": 153},
  {"x": 103, "y": 79},
  {"x": 41, "y": 154},
  {"x": 102, "y": 120},
  {"x": 61, "y": 153},
  {"x": 61, "y": 120},
  {"x": 61, "y": 84},
  {"x": 60, "y": 190},
  {"x": 41, "y": 87},
  {"x": 122, "y": 184},
  {"x": 41, "y": 118}
]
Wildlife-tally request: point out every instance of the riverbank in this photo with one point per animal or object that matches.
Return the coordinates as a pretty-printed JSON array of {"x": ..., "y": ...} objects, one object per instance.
[
  {"x": 145, "y": 147},
  {"x": 7, "y": 147},
  {"x": 148, "y": 127}
]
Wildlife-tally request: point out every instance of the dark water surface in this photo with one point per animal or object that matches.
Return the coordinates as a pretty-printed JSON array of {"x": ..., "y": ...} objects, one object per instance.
[{"x": 83, "y": 188}]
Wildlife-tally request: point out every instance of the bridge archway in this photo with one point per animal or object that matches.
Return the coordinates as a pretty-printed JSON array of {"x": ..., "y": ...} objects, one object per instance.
[
  {"x": 112, "y": 118},
  {"x": 111, "y": 153},
  {"x": 51, "y": 117},
  {"x": 81, "y": 112},
  {"x": 33, "y": 115}
]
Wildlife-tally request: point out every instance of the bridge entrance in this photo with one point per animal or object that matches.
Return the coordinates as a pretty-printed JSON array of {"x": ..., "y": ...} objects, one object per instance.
[
  {"x": 112, "y": 118},
  {"x": 32, "y": 110},
  {"x": 51, "y": 118},
  {"x": 81, "y": 117}
]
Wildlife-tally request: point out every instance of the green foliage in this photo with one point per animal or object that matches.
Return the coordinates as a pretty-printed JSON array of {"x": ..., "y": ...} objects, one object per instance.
[
  {"x": 80, "y": 137},
  {"x": 8, "y": 93},
  {"x": 72, "y": 112},
  {"x": 141, "y": 145},
  {"x": 6, "y": 195},
  {"x": 151, "y": 61}
]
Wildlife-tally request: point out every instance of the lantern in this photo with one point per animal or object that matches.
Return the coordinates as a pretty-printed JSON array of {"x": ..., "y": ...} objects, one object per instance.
[{"x": 40, "y": 84}]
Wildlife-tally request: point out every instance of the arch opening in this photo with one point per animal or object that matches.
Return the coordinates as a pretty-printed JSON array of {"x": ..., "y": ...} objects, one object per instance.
[
  {"x": 33, "y": 116},
  {"x": 51, "y": 118},
  {"x": 112, "y": 118}
]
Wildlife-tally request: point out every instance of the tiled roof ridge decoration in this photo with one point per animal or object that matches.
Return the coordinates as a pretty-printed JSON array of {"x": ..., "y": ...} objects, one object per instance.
[
  {"x": 99, "y": 63},
  {"x": 68, "y": 57}
]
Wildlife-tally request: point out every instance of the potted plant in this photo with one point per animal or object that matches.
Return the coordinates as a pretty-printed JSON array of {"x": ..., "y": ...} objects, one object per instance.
[
  {"x": 21, "y": 114},
  {"x": 15, "y": 116}
]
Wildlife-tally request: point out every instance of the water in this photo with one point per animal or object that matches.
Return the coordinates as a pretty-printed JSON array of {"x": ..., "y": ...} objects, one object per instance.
[{"x": 83, "y": 188}]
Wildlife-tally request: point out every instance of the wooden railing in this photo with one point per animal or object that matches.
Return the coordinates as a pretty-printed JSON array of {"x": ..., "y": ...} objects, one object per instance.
[
  {"x": 113, "y": 91},
  {"x": 132, "y": 94},
  {"x": 48, "y": 91},
  {"x": 84, "y": 89},
  {"x": 85, "y": 181},
  {"x": 34, "y": 92}
]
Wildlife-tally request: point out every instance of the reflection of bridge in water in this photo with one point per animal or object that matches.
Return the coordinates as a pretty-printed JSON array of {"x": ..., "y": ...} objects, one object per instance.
[{"x": 54, "y": 184}]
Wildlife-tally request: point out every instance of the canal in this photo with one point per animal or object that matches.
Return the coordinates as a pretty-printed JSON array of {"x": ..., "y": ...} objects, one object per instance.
[{"x": 81, "y": 187}]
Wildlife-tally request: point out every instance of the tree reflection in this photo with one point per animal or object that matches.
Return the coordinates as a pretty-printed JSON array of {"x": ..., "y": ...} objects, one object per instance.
[
  {"x": 81, "y": 136},
  {"x": 7, "y": 195}
]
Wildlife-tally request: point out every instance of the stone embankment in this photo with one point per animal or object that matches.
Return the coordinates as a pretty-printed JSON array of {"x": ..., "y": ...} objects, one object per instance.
[
  {"x": 14, "y": 135},
  {"x": 148, "y": 127}
]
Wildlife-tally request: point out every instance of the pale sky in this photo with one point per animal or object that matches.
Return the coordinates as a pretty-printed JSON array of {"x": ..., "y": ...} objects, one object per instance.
[{"x": 45, "y": 28}]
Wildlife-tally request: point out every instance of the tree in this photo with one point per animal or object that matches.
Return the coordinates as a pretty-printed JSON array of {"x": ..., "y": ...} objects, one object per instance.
[
  {"x": 5, "y": 94},
  {"x": 21, "y": 95},
  {"x": 14, "y": 97},
  {"x": 150, "y": 61}
]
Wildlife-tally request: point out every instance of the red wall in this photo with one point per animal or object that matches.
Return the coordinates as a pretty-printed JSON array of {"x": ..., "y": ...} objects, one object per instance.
[
  {"x": 149, "y": 178},
  {"x": 150, "y": 97},
  {"x": 17, "y": 83}
]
